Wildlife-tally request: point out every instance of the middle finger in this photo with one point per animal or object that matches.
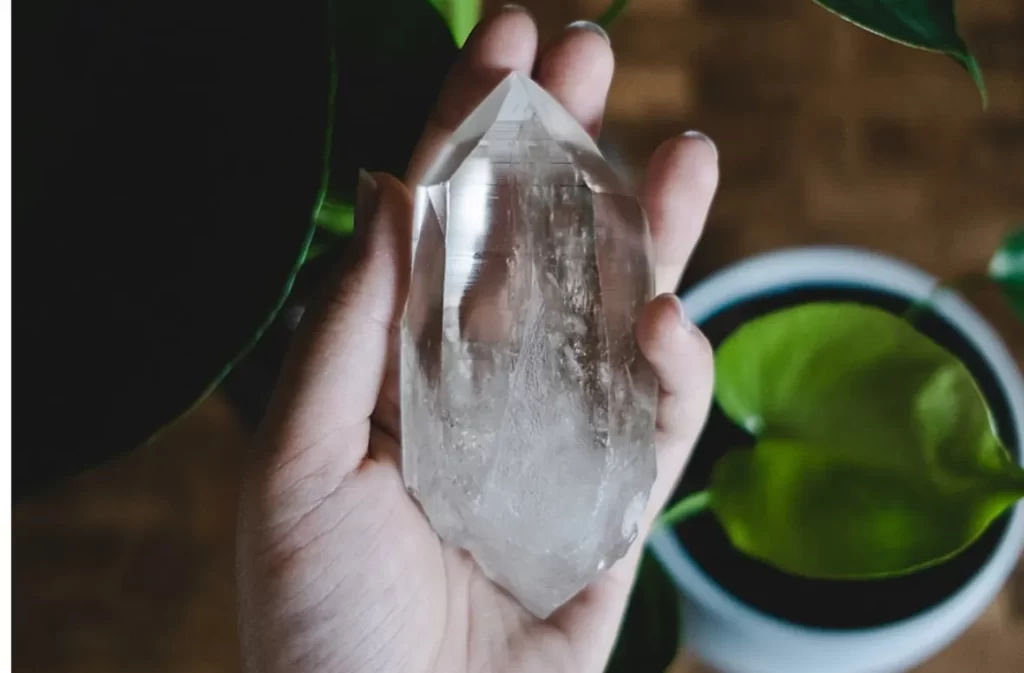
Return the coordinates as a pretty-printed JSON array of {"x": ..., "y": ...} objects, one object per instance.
[
  {"x": 502, "y": 43},
  {"x": 576, "y": 69}
]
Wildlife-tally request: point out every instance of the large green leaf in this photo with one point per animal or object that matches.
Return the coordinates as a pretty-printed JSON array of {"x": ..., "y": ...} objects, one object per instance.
[
  {"x": 169, "y": 160},
  {"x": 875, "y": 450},
  {"x": 925, "y": 24},
  {"x": 648, "y": 640},
  {"x": 1007, "y": 269}
]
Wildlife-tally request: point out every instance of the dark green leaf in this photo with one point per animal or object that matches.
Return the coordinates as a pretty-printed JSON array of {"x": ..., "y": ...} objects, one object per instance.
[
  {"x": 875, "y": 455},
  {"x": 1007, "y": 269},
  {"x": 925, "y": 24},
  {"x": 169, "y": 158},
  {"x": 393, "y": 56},
  {"x": 169, "y": 161},
  {"x": 649, "y": 638}
]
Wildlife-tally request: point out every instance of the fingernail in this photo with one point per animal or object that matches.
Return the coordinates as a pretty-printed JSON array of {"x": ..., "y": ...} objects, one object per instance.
[
  {"x": 513, "y": 7},
  {"x": 366, "y": 200},
  {"x": 592, "y": 27},
  {"x": 684, "y": 319},
  {"x": 703, "y": 137}
]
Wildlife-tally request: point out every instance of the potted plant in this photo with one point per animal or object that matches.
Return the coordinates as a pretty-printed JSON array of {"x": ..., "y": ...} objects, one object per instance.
[{"x": 850, "y": 504}]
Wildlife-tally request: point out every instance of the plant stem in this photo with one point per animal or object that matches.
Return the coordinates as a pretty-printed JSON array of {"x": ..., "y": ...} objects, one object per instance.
[
  {"x": 608, "y": 17},
  {"x": 691, "y": 505}
]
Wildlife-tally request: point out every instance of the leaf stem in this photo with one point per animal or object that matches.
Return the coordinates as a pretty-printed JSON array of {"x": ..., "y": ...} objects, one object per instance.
[
  {"x": 690, "y": 506},
  {"x": 608, "y": 17}
]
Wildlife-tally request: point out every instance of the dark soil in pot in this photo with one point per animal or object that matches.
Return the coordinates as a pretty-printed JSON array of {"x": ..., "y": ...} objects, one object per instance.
[{"x": 817, "y": 603}]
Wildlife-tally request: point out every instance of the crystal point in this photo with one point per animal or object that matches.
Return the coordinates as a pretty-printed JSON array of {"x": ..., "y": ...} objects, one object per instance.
[{"x": 527, "y": 409}]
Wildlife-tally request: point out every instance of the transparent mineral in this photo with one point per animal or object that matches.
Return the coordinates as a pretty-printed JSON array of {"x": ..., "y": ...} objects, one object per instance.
[{"x": 527, "y": 408}]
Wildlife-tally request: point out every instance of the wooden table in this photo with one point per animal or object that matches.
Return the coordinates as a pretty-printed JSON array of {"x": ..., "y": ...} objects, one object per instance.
[{"x": 129, "y": 569}]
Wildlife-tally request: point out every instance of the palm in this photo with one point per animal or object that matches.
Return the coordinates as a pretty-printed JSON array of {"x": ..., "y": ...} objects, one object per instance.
[
  {"x": 338, "y": 568},
  {"x": 482, "y": 630},
  {"x": 398, "y": 585}
]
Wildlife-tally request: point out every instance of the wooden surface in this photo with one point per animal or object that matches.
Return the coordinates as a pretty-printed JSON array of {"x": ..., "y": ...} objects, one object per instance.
[
  {"x": 826, "y": 135},
  {"x": 128, "y": 569}
]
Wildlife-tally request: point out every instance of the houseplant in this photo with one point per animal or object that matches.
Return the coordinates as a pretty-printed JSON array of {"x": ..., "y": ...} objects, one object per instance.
[{"x": 850, "y": 504}]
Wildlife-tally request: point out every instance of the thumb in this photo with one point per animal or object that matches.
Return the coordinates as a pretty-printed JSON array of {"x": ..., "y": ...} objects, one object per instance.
[{"x": 332, "y": 376}]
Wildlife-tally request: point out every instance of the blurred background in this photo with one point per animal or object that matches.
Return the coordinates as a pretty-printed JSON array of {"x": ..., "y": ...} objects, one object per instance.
[{"x": 826, "y": 134}]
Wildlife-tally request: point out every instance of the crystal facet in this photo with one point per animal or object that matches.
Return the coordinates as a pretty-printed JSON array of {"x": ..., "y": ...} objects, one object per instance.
[{"x": 527, "y": 408}]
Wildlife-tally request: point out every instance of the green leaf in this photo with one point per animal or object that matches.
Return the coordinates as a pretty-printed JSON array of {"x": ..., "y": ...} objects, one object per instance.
[
  {"x": 648, "y": 640},
  {"x": 1007, "y": 269},
  {"x": 161, "y": 218},
  {"x": 461, "y": 15},
  {"x": 393, "y": 56},
  {"x": 924, "y": 24},
  {"x": 875, "y": 450}
]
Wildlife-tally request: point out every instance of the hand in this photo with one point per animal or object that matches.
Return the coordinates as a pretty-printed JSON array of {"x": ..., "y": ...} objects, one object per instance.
[{"x": 338, "y": 569}]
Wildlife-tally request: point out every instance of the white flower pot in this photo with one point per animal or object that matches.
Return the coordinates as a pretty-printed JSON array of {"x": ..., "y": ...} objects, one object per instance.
[{"x": 734, "y": 636}]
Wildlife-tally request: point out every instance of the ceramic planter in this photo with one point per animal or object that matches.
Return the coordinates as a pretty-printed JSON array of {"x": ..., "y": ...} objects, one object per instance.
[{"x": 744, "y": 617}]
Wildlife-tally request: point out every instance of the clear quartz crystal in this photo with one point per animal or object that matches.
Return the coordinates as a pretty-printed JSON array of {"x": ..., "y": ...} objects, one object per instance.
[{"x": 527, "y": 408}]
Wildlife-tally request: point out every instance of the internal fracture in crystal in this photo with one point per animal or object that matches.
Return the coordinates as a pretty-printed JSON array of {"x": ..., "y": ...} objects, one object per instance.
[{"x": 527, "y": 408}]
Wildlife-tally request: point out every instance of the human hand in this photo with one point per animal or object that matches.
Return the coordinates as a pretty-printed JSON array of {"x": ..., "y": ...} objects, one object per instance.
[{"x": 338, "y": 569}]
